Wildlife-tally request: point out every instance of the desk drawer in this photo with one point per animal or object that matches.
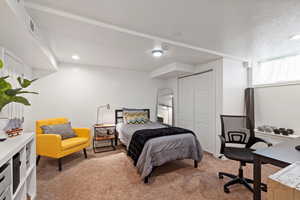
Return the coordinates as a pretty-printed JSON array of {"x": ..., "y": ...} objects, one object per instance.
[
  {"x": 6, "y": 195},
  {"x": 5, "y": 177}
]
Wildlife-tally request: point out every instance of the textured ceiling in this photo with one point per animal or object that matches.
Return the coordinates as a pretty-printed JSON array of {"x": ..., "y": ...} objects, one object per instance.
[
  {"x": 105, "y": 47},
  {"x": 256, "y": 29}
]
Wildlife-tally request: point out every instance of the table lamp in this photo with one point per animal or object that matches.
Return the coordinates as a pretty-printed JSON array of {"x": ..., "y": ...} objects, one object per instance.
[{"x": 101, "y": 107}]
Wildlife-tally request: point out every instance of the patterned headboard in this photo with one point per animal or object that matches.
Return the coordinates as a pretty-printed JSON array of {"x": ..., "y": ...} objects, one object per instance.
[{"x": 119, "y": 115}]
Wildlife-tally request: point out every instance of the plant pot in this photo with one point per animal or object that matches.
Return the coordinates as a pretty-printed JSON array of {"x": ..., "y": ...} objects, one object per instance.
[{"x": 3, "y": 123}]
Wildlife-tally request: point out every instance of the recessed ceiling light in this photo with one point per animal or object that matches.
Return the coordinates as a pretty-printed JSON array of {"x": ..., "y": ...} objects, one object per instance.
[
  {"x": 295, "y": 37},
  {"x": 75, "y": 57},
  {"x": 157, "y": 53}
]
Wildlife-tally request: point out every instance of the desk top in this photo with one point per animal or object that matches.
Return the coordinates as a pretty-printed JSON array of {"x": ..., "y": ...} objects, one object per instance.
[{"x": 284, "y": 152}]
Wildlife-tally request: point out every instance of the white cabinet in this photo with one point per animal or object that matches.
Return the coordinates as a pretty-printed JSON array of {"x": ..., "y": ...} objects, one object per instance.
[{"x": 24, "y": 146}]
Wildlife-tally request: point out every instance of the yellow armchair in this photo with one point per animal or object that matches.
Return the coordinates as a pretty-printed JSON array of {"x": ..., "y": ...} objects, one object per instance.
[{"x": 51, "y": 145}]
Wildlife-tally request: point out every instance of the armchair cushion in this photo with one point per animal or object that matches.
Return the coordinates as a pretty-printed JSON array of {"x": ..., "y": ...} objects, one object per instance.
[
  {"x": 73, "y": 142},
  {"x": 65, "y": 130}
]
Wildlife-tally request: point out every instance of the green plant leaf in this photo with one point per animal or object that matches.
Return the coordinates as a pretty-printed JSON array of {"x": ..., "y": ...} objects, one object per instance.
[
  {"x": 1, "y": 64},
  {"x": 21, "y": 100},
  {"x": 25, "y": 82},
  {"x": 9, "y": 95},
  {"x": 4, "y": 85},
  {"x": 19, "y": 81},
  {"x": 3, "y": 77},
  {"x": 27, "y": 92},
  {"x": 13, "y": 92}
]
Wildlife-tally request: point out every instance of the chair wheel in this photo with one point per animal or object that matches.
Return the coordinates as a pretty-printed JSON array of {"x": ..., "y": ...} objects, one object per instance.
[
  {"x": 226, "y": 190},
  {"x": 221, "y": 176},
  {"x": 264, "y": 187}
]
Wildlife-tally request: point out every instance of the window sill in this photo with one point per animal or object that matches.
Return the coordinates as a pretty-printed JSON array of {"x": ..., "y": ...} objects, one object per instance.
[
  {"x": 279, "y": 84},
  {"x": 294, "y": 136}
]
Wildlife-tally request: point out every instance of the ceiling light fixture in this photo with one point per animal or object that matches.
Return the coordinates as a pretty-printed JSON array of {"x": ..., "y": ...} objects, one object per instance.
[
  {"x": 75, "y": 57},
  {"x": 295, "y": 37},
  {"x": 157, "y": 53}
]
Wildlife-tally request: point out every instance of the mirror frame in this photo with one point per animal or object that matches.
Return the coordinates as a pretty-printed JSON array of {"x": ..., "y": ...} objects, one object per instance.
[{"x": 168, "y": 91}]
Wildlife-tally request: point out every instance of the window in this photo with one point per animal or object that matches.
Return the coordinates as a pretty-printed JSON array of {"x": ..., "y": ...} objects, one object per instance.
[{"x": 281, "y": 70}]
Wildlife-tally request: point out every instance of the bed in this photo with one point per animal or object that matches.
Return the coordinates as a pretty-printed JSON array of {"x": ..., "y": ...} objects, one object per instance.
[{"x": 160, "y": 150}]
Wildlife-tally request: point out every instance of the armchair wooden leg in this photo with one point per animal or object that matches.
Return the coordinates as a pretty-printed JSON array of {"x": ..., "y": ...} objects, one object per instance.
[
  {"x": 59, "y": 164},
  {"x": 38, "y": 160},
  {"x": 84, "y": 151}
]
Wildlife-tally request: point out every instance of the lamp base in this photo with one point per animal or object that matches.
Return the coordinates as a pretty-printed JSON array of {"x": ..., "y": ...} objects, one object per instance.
[{"x": 297, "y": 147}]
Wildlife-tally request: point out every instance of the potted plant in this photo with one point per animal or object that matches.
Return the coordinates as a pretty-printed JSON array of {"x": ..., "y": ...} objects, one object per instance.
[{"x": 8, "y": 94}]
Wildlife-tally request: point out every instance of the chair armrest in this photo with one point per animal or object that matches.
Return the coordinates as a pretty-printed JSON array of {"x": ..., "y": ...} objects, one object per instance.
[
  {"x": 83, "y": 132},
  {"x": 256, "y": 140},
  {"x": 48, "y": 144},
  {"x": 223, "y": 143}
]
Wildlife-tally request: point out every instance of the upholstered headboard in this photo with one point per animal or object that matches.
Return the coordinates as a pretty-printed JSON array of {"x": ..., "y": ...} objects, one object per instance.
[{"x": 119, "y": 115}]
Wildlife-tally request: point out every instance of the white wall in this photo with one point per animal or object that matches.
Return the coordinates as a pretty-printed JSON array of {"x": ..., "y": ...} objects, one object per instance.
[
  {"x": 75, "y": 92},
  {"x": 278, "y": 106},
  {"x": 235, "y": 80}
]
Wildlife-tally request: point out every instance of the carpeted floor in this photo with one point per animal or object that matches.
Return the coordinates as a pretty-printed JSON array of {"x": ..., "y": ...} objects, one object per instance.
[{"x": 112, "y": 176}]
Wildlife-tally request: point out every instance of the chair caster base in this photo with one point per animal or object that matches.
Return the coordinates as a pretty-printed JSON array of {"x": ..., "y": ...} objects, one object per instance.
[
  {"x": 264, "y": 187},
  {"x": 226, "y": 190}
]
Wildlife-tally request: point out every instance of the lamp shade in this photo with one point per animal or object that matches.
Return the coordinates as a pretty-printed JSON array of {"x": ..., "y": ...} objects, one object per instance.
[{"x": 107, "y": 106}]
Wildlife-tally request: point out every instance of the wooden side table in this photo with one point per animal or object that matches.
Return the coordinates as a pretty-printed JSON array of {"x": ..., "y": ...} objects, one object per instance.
[{"x": 104, "y": 132}]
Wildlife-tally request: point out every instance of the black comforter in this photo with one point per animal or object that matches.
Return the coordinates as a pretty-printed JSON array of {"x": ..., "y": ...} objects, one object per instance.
[{"x": 140, "y": 137}]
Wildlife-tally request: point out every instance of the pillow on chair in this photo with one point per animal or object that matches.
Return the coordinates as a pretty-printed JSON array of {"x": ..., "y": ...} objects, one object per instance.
[{"x": 65, "y": 130}]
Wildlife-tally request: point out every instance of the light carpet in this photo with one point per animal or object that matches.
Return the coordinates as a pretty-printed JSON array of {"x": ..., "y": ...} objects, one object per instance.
[{"x": 112, "y": 176}]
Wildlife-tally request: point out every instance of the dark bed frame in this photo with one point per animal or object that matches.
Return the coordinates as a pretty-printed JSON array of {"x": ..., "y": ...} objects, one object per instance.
[{"x": 119, "y": 119}]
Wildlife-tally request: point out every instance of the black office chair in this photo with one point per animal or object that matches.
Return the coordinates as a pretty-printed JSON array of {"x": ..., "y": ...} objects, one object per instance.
[{"x": 238, "y": 130}]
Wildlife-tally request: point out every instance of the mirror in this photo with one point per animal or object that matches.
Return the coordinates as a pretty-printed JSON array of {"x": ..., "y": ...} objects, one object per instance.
[{"x": 165, "y": 106}]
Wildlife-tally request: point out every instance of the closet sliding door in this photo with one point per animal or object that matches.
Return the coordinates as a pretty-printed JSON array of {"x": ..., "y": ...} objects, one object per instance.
[
  {"x": 204, "y": 110},
  {"x": 186, "y": 103},
  {"x": 196, "y": 107}
]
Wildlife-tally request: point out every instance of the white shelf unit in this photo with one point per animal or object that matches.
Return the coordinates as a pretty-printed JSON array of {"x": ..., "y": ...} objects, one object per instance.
[{"x": 25, "y": 145}]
